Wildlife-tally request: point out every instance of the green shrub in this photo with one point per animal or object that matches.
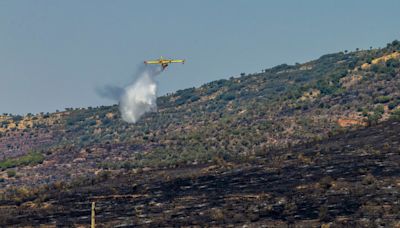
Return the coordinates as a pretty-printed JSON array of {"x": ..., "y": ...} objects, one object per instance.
[
  {"x": 17, "y": 118},
  {"x": 380, "y": 109},
  {"x": 395, "y": 115},
  {"x": 393, "y": 104},
  {"x": 374, "y": 118},
  {"x": 382, "y": 99},
  {"x": 228, "y": 96},
  {"x": 11, "y": 173},
  {"x": 31, "y": 158}
]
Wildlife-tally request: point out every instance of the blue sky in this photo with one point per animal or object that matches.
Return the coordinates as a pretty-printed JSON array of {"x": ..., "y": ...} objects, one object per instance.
[{"x": 54, "y": 54}]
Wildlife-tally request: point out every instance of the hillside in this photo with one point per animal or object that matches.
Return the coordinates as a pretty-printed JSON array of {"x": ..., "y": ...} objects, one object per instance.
[
  {"x": 223, "y": 124},
  {"x": 350, "y": 179}
]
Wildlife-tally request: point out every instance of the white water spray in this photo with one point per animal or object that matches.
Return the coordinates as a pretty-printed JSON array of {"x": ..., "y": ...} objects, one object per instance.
[{"x": 137, "y": 98}]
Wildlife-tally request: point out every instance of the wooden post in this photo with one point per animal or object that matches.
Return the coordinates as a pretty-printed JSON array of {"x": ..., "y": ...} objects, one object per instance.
[{"x": 93, "y": 225}]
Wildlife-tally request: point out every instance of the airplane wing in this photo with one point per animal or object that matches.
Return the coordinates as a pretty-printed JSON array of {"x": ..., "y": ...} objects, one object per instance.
[
  {"x": 152, "y": 62},
  {"x": 177, "y": 61}
]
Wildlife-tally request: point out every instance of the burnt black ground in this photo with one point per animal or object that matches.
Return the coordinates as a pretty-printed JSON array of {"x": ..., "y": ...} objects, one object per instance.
[{"x": 351, "y": 179}]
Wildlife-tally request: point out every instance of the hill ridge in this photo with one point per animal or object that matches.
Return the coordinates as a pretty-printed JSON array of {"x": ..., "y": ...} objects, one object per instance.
[{"x": 231, "y": 119}]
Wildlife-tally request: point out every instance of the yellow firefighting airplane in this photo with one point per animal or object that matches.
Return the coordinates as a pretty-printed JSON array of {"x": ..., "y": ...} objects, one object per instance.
[{"x": 164, "y": 62}]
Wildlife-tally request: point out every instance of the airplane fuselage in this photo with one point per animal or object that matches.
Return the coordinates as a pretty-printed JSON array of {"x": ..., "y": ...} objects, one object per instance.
[{"x": 164, "y": 62}]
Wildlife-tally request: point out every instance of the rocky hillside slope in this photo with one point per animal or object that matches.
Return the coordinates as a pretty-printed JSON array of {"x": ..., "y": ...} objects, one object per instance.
[
  {"x": 231, "y": 120},
  {"x": 349, "y": 180}
]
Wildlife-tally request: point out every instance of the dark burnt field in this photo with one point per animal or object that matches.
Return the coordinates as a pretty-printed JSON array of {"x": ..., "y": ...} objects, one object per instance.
[{"x": 351, "y": 179}]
